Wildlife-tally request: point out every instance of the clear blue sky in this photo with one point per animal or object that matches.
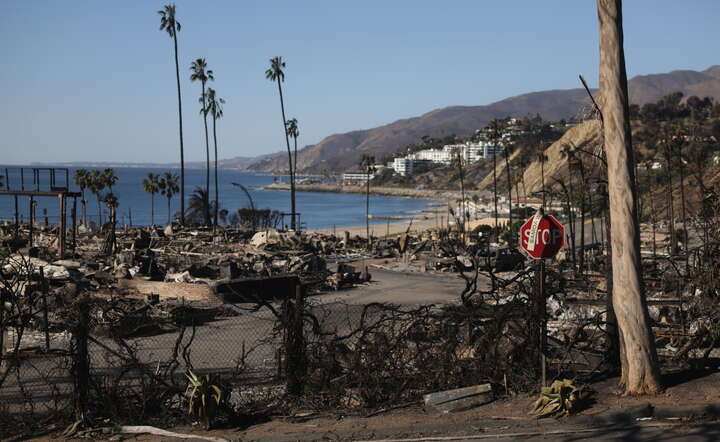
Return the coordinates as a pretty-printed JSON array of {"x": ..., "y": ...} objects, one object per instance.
[{"x": 95, "y": 80}]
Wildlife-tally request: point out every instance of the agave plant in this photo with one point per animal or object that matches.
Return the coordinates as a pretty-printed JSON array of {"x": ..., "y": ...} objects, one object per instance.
[
  {"x": 206, "y": 396},
  {"x": 562, "y": 398}
]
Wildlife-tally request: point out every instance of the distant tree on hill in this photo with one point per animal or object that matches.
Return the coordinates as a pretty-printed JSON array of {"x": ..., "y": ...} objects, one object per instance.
[{"x": 169, "y": 23}]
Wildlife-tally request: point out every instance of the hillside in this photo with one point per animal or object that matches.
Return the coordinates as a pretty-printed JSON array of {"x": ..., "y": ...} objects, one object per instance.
[{"x": 342, "y": 151}]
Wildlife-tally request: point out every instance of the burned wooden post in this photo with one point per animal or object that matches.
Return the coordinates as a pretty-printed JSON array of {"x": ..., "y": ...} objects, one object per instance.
[
  {"x": 3, "y": 330},
  {"x": 295, "y": 343},
  {"x": 44, "y": 290},
  {"x": 74, "y": 224},
  {"x": 81, "y": 361},
  {"x": 17, "y": 217},
  {"x": 61, "y": 230},
  {"x": 32, "y": 221},
  {"x": 541, "y": 316}
]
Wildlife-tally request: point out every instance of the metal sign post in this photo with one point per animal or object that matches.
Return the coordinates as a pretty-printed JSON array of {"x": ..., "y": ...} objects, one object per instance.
[{"x": 541, "y": 237}]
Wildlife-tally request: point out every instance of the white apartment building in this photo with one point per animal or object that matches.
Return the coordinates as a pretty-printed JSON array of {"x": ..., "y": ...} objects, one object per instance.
[
  {"x": 405, "y": 166},
  {"x": 356, "y": 178}
]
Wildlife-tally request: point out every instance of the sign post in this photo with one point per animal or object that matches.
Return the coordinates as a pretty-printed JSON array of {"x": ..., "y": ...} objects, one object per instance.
[{"x": 541, "y": 237}]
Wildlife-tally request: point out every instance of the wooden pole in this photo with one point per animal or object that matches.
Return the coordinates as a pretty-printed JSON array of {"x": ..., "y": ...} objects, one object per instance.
[
  {"x": 74, "y": 224},
  {"x": 32, "y": 220},
  {"x": 61, "y": 233}
]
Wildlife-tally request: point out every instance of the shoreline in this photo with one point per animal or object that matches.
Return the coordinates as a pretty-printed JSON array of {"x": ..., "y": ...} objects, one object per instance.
[
  {"x": 436, "y": 195},
  {"x": 435, "y": 214}
]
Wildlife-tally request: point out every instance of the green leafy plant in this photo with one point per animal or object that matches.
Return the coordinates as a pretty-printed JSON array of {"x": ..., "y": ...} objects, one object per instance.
[
  {"x": 562, "y": 398},
  {"x": 206, "y": 396}
]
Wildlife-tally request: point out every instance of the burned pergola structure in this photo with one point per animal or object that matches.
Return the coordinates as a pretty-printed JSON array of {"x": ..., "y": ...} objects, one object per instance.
[{"x": 42, "y": 182}]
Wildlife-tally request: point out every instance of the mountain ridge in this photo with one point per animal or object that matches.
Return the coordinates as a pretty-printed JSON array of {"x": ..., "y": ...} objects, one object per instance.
[{"x": 342, "y": 151}]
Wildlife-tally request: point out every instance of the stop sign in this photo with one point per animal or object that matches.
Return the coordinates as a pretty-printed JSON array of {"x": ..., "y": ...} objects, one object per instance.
[{"x": 542, "y": 236}]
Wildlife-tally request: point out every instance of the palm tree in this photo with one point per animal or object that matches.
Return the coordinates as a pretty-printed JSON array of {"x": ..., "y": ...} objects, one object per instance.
[
  {"x": 506, "y": 151},
  {"x": 668, "y": 154},
  {"x": 97, "y": 183},
  {"x": 495, "y": 135},
  {"x": 82, "y": 180},
  {"x": 202, "y": 74},
  {"x": 151, "y": 186},
  {"x": 640, "y": 370},
  {"x": 367, "y": 164},
  {"x": 575, "y": 164},
  {"x": 168, "y": 185},
  {"x": 276, "y": 73},
  {"x": 214, "y": 107},
  {"x": 110, "y": 178},
  {"x": 463, "y": 211},
  {"x": 172, "y": 26},
  {"x": 110, "y": 244},
  {"x": 542, "y": 158},
  {"x": 291, "y": 127},
  {"x": 197, "y": 207}
]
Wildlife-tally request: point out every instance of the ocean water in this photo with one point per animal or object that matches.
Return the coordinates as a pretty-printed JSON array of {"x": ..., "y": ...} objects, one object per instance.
[{"x": 317, "y": 210}]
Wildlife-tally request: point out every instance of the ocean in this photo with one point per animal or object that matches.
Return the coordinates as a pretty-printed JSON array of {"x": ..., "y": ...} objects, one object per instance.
[{"x": 317, "y": 210}]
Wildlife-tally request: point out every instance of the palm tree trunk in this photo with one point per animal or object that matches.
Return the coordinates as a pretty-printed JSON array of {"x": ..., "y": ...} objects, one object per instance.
[
  {"x": 682, "y": 208},
  {"x": 367, "y": 208},
  {"x": 509, "y": 180},
  {"x": 495, "y": 198},
  {"x": 582, "y": 220},
  {"x": 169, "y": 214},
  {"x": 152, "y": 208},
  {"x": 542, "y": 178},
  {"x": 84, "y": 207},
  {"x": 207, "y": 161},
  {"x": 99, "y": 210},
  {"x": 290, "y": 161},
  {"x": 295, "y": 159},
  {"x": 182, "y": 149},
  {"x": 462, "y": 196},
  {"x": 217, "y": 201},
  {"x": 654, "y": 222},
  {"x": 670, "y": 208},
  {"x": 640, "y": 371}
]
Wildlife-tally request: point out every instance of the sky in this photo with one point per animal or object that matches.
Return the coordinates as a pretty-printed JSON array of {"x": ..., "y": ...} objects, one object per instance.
[{"x": 90, "y": 80}]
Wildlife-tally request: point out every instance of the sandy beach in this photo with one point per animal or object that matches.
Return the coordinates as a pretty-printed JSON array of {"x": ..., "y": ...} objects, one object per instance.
[
  {"x": 376, "y": 190},
  {"x": 432, "y": 218}
]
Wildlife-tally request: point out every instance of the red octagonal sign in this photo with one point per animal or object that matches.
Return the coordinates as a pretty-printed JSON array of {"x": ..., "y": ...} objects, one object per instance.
[{"x": 542, "y": 236}]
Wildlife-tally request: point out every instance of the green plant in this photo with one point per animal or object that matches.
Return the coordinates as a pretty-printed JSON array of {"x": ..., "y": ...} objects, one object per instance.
[
  {"x": 206, "y": 396},
  {"x": 560, "y": 399}
]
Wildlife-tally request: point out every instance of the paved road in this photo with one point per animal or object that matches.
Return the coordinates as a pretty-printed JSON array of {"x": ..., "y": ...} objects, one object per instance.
[{"x": 223, "y": 345}]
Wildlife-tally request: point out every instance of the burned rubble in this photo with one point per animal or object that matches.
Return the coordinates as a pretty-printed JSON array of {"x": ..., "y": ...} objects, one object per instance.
[{"x": 166, "y": 297}]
